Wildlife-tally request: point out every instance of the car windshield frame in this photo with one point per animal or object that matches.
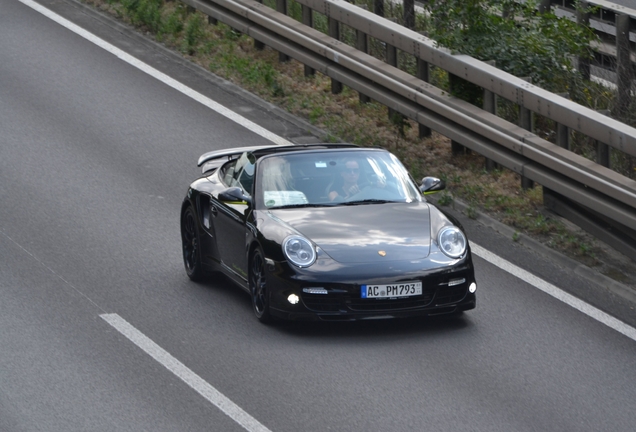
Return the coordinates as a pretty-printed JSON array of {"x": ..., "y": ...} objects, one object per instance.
[{"x": 317, "y": 178}]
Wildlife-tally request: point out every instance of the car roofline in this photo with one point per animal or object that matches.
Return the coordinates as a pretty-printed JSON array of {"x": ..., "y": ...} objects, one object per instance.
[{"x": 234, "y": 152}]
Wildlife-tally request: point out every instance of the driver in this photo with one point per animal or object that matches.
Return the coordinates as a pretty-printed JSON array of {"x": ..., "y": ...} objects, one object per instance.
[
  {"x": 350, "y": 174},
  {"x": 350, "y": 183}
]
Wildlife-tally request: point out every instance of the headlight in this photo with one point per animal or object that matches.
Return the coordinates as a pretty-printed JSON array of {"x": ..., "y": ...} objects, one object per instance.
[
  {"x": 452, "y": 241},
  {"x": 299, "y": 251}
]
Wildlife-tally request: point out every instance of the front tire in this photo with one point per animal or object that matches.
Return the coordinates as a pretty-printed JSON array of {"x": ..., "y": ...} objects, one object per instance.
[
  {"x": 191, "y": 246},
  {"x": 258, "y": 288}
]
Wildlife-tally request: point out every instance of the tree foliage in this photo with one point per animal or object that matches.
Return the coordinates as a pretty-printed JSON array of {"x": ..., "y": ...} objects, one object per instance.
[{"x": 523, "y": 42}]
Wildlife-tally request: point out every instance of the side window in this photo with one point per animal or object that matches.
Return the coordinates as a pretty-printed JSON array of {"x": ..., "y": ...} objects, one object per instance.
[
  {"x": 227, "y": 172},
  {"x": 243, "y": 175},
  {"x": 246, "y": 179}
]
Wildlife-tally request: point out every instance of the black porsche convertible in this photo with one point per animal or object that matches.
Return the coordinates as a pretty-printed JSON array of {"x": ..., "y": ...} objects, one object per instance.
[{"x": 325, "y": 232}]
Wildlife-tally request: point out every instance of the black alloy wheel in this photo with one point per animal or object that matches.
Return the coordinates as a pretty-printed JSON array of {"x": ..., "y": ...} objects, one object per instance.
[
  {"x": 191, "y": 246},
  {"x": 258, "y": 288}
]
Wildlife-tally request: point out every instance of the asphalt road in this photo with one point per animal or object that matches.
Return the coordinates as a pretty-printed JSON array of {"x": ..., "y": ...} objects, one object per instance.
[{"x": 95, "y": 157}]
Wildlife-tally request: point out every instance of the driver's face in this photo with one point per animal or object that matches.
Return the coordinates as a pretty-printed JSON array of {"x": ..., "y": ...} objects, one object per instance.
[{"x": 351, "y": 171}]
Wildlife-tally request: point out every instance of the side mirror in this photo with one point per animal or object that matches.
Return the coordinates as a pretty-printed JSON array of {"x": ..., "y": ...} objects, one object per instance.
[
  {"x": 432, "y": 185},
  {"x": 234, "y": 194}
]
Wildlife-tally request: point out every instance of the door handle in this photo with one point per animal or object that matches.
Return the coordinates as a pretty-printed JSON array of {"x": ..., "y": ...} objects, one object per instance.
[{"x": 214, "y": 210}]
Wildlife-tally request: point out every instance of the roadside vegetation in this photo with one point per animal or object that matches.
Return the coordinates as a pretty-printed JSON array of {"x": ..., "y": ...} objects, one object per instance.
[
  {"x": 233, "y": 56},
  {"x": 540, "y": 47}
]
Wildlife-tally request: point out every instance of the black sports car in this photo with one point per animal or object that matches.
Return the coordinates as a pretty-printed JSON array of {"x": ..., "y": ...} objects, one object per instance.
[{"x": 325, "y": 231}]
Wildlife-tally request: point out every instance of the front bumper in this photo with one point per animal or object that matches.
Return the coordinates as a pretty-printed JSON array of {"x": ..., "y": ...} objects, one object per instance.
[
  {"x": 468, "y": 303},
  {"x": 444, "y": 291}
]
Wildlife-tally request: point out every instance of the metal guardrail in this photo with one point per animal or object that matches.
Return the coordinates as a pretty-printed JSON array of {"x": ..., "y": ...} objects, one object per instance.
[
  {"x": 613, "y": 24},
  {"x": 579, "y": 179},
  {"x": 605, "y": 11},
  {"x": 563, "y": 111}
]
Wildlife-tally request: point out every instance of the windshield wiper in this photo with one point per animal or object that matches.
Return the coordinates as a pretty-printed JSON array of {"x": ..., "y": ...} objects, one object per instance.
[
  {"x": 367, "y": 201},
  {"x": 300, "y": 206}
]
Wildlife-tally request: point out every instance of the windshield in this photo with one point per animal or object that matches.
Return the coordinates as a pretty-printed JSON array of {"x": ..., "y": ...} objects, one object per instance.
[{"x": 328, "y": 178}]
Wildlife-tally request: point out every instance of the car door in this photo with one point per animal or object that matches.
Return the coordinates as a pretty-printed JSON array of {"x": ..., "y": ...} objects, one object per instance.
[{"x": 230, "y": 217}]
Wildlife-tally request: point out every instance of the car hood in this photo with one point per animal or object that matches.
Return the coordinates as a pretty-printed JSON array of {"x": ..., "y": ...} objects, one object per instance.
[{"x": 365, "y": 233}]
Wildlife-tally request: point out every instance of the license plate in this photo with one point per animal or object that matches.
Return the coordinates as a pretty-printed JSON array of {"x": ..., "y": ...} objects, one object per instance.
[{"x": 404, "y": 289}]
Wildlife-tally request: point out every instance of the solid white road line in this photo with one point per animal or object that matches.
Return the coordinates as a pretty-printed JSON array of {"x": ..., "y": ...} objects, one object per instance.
[
  {"x": 215, "y": 397},
  {"x": 555, "y": 292},
  {"x": 158, "y": 75}
]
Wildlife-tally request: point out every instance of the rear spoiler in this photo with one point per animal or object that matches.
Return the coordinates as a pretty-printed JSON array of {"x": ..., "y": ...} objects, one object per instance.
[
  {"x": 230, "y": 153},
  {"x": 214, "y": 159}
]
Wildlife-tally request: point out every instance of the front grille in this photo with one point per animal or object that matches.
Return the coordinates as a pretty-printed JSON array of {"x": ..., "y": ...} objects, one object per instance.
[
  {"x": 446, "y": 295},
  {"x": 347, "y": 298},
  {"x": 322, "y": 303},
  {"x": 336, "y": 303},
  {"x": 388, "y": 305}
]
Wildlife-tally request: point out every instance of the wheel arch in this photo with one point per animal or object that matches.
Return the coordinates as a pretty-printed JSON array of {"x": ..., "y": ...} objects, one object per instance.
[
  {"x": 187, "y": 202},
  {"x": 250, "y": 252}
]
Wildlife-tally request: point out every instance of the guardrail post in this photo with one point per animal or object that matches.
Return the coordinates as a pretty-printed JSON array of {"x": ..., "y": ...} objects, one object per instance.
[
  {"x": 334, "y": 32},
  {"x": 525, "y": 118},
  {"x": 362, "y": 44},
  {"x": 623, "y": 66},
  {"x": 212, "y": 21},
  {"x": 422, "y": 73},
  {"x": 378, "y": 7},
  {"x": 281, "y": 6},
  {"x": 456, "y": 148},
  {"x": 308, "y": 20},
  {"x": 544, "y": 6},
  {"x": 563, "y": 136},
  {"x": 409, "y": 14},
  {"x": 525, "y": 121},
  {"x": 562, "y": 131},
  {"x": 391, "y": 58},
  {"x": 258, "y": 45},
  {"x": 602, "y": 154},
  {"x": 602, "y": 149},
  {"x": 583, "y": 19},
  {"x": 490, "y": 105}
]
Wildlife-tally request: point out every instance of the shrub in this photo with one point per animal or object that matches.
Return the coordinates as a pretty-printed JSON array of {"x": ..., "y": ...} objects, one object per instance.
[
  {"x": 192, "y": 33},
  {"x": 144, "y": 12}
]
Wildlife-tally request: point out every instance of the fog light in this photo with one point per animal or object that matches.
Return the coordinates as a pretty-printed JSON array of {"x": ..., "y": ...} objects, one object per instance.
[
  {"x": 293, "y": 299},
  {"x": 473, "y": 287},
  {"x": 456, "y": 282}
]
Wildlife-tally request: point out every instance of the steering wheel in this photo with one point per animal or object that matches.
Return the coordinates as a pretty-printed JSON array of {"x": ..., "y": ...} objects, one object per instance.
[{"x": 372, "y": 191}]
